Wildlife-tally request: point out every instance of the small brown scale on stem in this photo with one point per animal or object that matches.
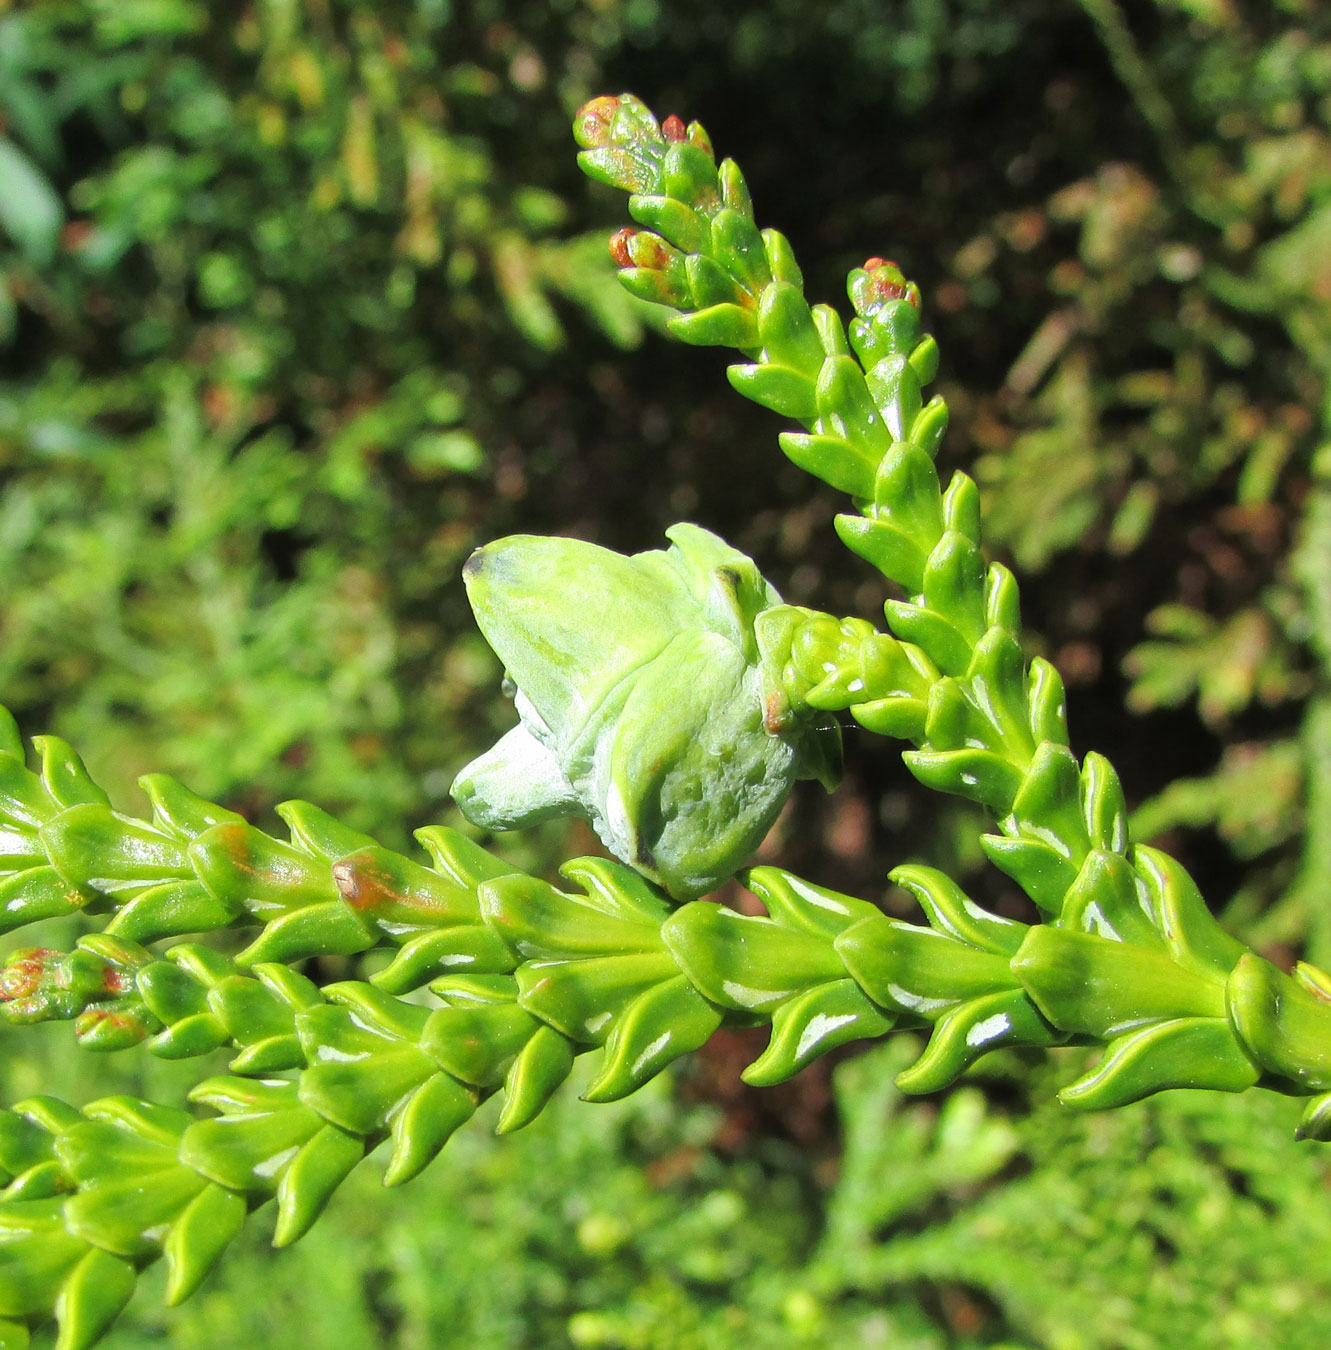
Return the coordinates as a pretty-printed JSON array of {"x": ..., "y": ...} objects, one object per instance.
[{"x": 776, "y": 713}]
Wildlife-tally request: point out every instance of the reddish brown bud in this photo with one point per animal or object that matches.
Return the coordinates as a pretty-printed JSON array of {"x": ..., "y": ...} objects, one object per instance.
[
  {"x": 22, "y": 974},
  {"x": 888, "y": 282},
  {"x": 591, "y": 126},
  {"x": 673, "y": 129},
  {"x": 619, "y": 246}
]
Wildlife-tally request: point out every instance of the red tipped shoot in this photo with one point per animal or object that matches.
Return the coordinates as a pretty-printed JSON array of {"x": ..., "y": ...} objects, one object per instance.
[
  {"x": 673, "y": 128},
  {"x": 23, "y": 973},
  {"x": 591, "y": 126},
  {"x": 886, "y": 281},
  {"x": 619, "y": 246}
]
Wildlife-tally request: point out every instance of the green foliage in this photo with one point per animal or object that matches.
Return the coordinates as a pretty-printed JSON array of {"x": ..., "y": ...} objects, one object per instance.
[
  {"x": 298, "y": 265},
  {"x": 285, "y": 294},
  {"x": 1178, "y": 1220},
  {"x": 1128, "y": 955},
  {"x": 1168, "y": 1223}
]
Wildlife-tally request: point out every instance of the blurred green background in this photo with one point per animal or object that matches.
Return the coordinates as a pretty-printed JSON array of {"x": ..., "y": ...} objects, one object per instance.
[{"x": 302, "y": 301}]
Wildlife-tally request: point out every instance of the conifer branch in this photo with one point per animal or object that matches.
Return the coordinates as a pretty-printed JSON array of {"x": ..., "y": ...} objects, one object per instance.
[{"x": 526, "y": 975}]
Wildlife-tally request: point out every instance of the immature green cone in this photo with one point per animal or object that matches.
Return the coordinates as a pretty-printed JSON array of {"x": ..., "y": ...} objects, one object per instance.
[{"x": 645, "y": 705}]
